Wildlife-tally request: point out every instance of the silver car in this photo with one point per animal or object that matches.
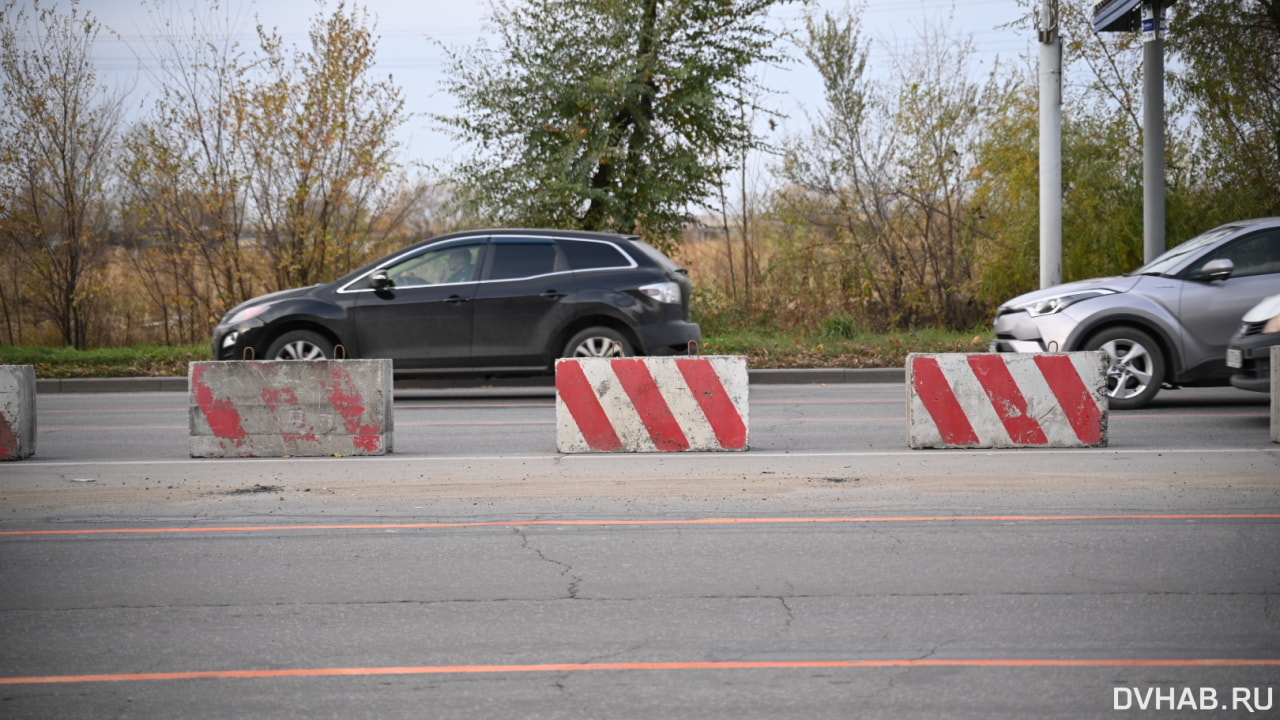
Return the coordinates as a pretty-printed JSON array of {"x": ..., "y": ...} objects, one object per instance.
[{"x": 1167, "y": 324}]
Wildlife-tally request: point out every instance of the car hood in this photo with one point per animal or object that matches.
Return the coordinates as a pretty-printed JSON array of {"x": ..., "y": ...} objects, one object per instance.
[
  {"x": 274, "y": 297},
  {"x": 1263, "y": 311},
  {"x": 1118, "y": 283}
]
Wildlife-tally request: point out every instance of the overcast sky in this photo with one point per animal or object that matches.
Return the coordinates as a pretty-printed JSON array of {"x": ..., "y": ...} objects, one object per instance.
[{"x": 405, "y": 52}]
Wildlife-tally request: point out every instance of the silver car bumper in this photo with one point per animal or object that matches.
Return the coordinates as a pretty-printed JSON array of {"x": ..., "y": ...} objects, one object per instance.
[{"x": 1019, "y": 332}]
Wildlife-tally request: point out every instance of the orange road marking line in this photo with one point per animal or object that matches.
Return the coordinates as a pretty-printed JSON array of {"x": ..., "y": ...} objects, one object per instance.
[
  {"x": 650, "y": 666},
  {"x": 695, "y": 521}
]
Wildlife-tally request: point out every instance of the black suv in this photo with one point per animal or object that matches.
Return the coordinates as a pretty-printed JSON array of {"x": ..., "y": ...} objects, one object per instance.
[{"x": 486, "y": 302}]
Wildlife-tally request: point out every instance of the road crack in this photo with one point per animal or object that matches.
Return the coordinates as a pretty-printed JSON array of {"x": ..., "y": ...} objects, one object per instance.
[{"x": 564, "y": 569}]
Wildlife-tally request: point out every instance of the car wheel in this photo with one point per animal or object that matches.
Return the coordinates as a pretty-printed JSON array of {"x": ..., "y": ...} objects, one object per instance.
[
  {"x": 597, "y": 342},
  {"x": 1135, "y": 367},
  {"x": 300, "y": 345}
]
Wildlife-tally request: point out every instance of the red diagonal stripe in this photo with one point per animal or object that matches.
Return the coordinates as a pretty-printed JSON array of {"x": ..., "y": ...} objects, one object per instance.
[
  {"x": 224, "y": 419},
  {"x": 708, "y": 390},
  {"x": 1007, "y": 399},
  {"x": 654, "y": 412},
  {"x": 1075, "y": 398},
  {"x": 584, "y": 406},
  {"x": 9, "y": 443},
  {"x": 935, "y": 392},
  {"x": 346, "y": 400}
]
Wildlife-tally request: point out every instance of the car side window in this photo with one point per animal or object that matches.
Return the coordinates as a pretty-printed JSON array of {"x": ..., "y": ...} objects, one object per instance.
[
  {"x": 512, "y": 258},
  {"x": 1257, "y": 254},
  {"x": 453, "y": 264},
  {"x": 589, "y": 255}
]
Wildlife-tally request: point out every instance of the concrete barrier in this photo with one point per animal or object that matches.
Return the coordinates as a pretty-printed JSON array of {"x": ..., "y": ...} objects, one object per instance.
[
  {"x": 1275, "y": 393},
  {"x": 281, "y": 408},
  {"x": 1007, "y": 400},
  {"x": 651, "y": 404},
  {"x": 17, "y": 412}
]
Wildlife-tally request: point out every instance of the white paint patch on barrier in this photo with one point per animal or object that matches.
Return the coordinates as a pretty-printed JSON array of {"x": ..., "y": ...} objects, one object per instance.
[
  {"x": 1007, "y": 400},
  {"x": 299, "y": 408},
  {"x": 666, "y": 404},
  {"x": 17, "y": 412}
]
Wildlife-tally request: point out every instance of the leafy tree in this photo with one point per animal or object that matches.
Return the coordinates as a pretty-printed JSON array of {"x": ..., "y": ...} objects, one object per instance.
[
  {"x": 1229, "y": 81},
  {"x": 606, "y": 114},
  {"x": 322, "y": 133},
  {"x": 57, "y": 139}
]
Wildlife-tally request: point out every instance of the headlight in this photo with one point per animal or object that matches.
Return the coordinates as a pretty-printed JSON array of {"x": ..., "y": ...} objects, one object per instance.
[
  {"x": 245, "y": 314},
  {"x": 664, "y": 292},
  {"x": 1058, "y": 303}
]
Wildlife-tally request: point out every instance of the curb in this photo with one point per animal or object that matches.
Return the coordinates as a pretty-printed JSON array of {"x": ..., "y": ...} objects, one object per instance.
[{"x": 801, "y": 376}]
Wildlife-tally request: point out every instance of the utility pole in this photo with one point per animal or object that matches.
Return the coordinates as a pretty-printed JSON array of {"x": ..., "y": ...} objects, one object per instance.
[
  {"x": 1050, "y": 144},
  {"x": 1124, "y": 16},
  {"x": 1152, "y": 129}
]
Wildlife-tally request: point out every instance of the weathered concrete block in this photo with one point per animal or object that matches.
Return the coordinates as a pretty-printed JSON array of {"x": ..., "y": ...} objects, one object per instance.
[
  {"x": 652, "y": 404},
  {"x": 1007, "y": 400},
  {"x": 1275, "y": 394},
  {"x": 303, "y": 408},
  {"x": 17, "y": 412}
]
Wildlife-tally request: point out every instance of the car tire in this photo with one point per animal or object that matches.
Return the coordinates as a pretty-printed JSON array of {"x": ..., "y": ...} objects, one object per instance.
[
  {"x": 1136, "y": 366},
  {"x": 300, "y": 345},
  {"x": 597, "y": 342}
]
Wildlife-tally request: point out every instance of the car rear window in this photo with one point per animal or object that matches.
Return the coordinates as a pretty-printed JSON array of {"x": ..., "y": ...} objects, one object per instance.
[
  {"x": 588, "y": 255},
  {"x": 655, "y": 254}
]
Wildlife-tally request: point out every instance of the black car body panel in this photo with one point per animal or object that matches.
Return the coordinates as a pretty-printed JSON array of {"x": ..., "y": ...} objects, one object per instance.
[{"x": 486, "y": 302}]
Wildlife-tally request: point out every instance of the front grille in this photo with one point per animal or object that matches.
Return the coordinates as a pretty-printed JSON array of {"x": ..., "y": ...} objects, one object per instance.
[{"x": 1252, "y": 328}]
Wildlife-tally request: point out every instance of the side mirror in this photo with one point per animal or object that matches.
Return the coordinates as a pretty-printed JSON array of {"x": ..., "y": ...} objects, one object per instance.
[
  {"x": 380, "y": 281},
  {"x": 1219, "y": 269}
]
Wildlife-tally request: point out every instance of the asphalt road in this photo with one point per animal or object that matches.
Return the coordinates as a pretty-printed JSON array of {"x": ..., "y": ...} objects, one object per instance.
[{"x": 828, "y": 572}]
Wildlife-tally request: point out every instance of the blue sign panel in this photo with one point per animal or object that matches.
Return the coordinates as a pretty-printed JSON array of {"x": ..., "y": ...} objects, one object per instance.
[{"x": 1116, "y": 15}]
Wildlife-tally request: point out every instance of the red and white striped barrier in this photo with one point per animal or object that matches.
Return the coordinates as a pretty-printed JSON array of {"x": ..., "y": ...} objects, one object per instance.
[
  {"x": 17, "y": 412},
  {"x": 297, "y": 408},
  {"x": 1007, "y": 400},
  {"x": 651, "y": 404}
]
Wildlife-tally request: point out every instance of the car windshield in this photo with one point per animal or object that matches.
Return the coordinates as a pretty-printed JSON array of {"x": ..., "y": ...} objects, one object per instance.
[{"x": 1175, "y": 256}]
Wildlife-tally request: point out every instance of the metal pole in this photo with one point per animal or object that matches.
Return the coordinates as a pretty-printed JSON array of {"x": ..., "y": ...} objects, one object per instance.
[
  {"x": 1152, "y": 130},
  {"x": 1050, "y": 145}
]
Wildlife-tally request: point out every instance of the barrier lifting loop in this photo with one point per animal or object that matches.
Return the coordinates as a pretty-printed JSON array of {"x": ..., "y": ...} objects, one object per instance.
[
  {"x": 340, "y": 352},
  {"x": 247, "y": 354},
  {"x": 693, "y": 348}
]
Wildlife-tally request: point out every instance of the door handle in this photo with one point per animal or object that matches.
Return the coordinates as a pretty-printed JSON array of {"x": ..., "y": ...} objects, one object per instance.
[
  {"x": 552, "y": 295},
  {"x": 456, "y": 299}
]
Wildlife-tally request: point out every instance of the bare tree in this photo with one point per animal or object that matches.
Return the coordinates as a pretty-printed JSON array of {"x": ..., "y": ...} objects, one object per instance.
[
  {"x": 186, "y": 163},
  {"x": 888, "y": 173},
  {"x": 58, "y": 136}
]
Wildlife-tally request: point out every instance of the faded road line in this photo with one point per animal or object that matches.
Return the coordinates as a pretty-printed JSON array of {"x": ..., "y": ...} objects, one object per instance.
[
  {"x": 650, "y": 523},
  {"x": 650, "y": 666}
]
